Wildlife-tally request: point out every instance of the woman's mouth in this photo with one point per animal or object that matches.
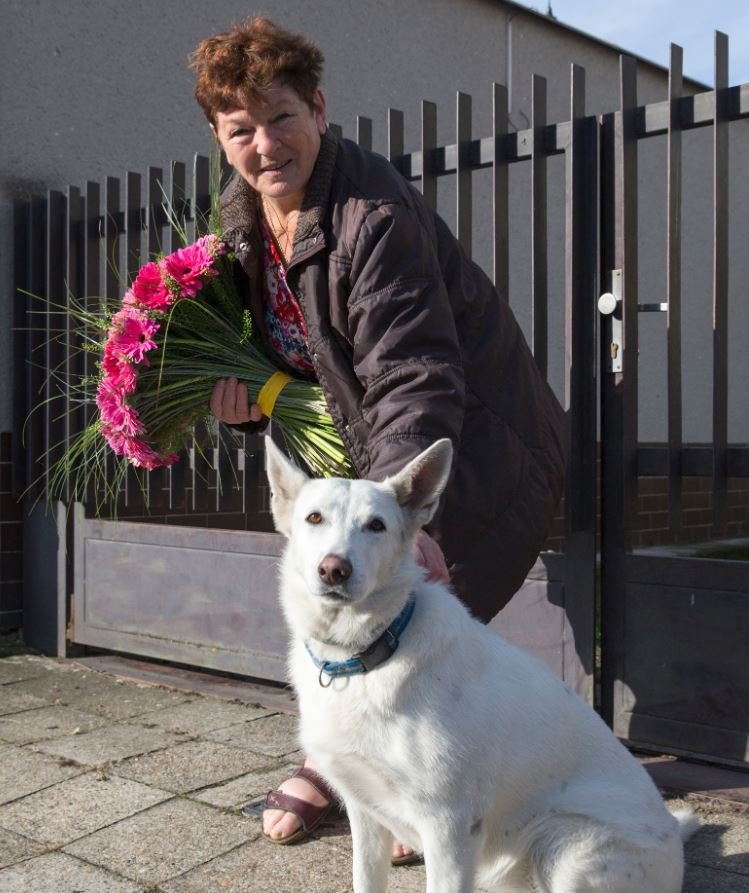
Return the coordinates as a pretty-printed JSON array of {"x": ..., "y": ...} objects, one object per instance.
[{"x": 275, "y": 168}]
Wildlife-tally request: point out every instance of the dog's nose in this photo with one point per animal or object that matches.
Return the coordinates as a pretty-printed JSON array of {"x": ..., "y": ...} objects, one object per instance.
[{"x": 334, "y": 570}]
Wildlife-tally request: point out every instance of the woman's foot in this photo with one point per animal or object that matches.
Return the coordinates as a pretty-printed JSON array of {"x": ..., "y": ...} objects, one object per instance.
[{"x": 281, "y": 825}]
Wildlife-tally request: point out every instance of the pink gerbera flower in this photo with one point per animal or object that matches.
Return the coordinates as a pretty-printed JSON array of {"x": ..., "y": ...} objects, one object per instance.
[
  {"x": 132, "y": 334},
  {"x": 142, "y": 455},
  {"x": 119, "y": 373},
  {"x": 189, "y": 266},
  {"x": 149, "y": 288}
]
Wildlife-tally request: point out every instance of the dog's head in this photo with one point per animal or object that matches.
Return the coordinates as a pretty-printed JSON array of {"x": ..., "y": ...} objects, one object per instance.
[{"x": 351, "y": 538}]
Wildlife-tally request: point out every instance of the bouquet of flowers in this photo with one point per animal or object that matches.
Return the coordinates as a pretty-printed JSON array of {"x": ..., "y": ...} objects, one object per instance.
[{"x": 180, "y": 327}]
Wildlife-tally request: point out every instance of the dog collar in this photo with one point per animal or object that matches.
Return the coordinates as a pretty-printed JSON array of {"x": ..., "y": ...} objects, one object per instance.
[{"x": 383, "y": 648}]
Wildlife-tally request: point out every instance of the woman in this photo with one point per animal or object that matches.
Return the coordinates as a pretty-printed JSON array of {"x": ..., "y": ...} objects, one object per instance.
[{"x": 362, "y": 287}]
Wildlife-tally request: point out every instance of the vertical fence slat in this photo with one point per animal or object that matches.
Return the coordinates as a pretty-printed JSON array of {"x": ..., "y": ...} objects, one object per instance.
[
  {"x": 157, "y": 481},
  {"x": 364, "y": 131},
  {"x": 36, "y": 280},
  {"x": 135, "y": 479},
  {"x": 178, "y": 473},
  {"x": 539, "y": 248},
  {"x": 201, "y": 193},
  {"x": 395, "y": 134},
  {"x": 74, "y": 363},
  {"x": 336, "y": 129},
  {"x": 92, "y": 290},
  {"x": 113, "y": 266},
  {"x": 176, "y": 198},
  {"x": 720, "y": 286},
  {"x": 619, "y": 411},
  {"x": 464, "y": 198},
  {"x": 627, "y": 262},
  {"x": 673, "y": 288},
  {"x": 54, "y": 354},
  {"x": 500, "y": 193},
  {"x": 204, "y": 483},
  {"x": 429, "y": 153},
  {"x": 23, "y": 322},
  {"x": 581, "y": 249}
]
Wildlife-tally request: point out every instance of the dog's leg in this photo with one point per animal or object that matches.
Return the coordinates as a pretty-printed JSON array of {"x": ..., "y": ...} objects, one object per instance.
[
  {"x": 451, "y": 850},
  {"x": 372, "y": 844}
]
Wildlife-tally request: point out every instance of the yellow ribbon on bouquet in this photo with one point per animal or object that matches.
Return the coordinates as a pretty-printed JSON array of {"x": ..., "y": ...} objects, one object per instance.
[{"x": 269, "y": 392}]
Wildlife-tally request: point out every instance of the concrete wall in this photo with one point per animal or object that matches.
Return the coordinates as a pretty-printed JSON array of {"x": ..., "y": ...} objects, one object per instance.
[{"x": 95, "y": 87}]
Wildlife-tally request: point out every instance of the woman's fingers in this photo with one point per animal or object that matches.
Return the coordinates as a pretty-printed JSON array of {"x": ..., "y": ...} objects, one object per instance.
[
  {"x": 230, "y": 403},
  {"x": 430, "y": 556}
]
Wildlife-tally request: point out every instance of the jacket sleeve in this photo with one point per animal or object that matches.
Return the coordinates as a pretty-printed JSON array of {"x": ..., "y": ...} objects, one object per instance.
[{"x": 406, "y": 349}]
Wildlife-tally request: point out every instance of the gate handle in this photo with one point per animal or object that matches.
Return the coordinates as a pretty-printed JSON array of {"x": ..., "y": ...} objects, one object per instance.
[{"x": 608, "y": 303}]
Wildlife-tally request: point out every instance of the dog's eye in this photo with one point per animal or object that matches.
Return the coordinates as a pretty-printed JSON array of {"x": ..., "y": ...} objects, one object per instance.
[
  {"x": 376, "y": 524},
  {"x": 313, "y": 518}
]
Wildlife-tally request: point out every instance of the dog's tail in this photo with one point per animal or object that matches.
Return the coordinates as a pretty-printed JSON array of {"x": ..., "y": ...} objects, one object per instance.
[{"x": 688, "y": 822}]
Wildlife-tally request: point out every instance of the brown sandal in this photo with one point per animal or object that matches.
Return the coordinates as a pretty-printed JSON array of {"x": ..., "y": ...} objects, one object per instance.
[
  {"x": 309, "y": 815},
  {"x": 409, "y": 859}
]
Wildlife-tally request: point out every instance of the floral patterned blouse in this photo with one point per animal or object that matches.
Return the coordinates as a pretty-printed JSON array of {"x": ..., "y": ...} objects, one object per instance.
[{"x": 282, "y": 315}]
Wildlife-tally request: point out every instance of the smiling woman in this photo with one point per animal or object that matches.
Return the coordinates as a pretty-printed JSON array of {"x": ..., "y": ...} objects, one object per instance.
[{"x": 356, "y": 283}]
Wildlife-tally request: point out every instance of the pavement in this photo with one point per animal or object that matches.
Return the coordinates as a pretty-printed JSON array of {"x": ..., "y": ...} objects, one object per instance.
[{"x": 122, "y": 776}]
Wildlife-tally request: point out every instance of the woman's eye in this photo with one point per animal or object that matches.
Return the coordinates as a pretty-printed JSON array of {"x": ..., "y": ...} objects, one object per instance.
[
  {"x": 313, "y": 518},
  {"x": 377, "y": 525}
]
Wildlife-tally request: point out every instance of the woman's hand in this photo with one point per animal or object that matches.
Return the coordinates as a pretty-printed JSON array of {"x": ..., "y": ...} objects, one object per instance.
[
  {"x": 429, "y": 555},
  {"x": 230, "y": 403}
]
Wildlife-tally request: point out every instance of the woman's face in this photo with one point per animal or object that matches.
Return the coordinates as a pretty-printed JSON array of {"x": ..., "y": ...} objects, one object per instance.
[{"x": 274, "y": 145}]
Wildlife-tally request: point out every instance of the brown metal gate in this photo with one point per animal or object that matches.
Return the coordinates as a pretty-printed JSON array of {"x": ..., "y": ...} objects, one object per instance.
[{"x": 675, "y": 672}]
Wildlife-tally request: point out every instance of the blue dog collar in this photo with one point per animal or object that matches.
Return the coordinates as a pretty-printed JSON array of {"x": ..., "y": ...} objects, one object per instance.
[{"x": 378, "y": 652}]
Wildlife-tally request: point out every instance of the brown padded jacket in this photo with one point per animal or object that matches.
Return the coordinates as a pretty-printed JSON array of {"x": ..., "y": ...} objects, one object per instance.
[{"x": 410, "y": 343}]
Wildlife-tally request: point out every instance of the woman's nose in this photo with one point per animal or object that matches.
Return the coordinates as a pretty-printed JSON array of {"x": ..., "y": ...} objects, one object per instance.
[{"x": 265, "y": 140}]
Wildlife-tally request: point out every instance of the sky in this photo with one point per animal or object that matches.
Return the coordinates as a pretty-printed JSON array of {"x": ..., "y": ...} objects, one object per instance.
[{"x": 647, "y": 28}]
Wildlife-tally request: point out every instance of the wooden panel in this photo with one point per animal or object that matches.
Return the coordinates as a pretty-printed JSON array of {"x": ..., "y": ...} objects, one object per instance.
[
  {"x": 204, "y": 597},
  {"x": 685, "y": 681}
]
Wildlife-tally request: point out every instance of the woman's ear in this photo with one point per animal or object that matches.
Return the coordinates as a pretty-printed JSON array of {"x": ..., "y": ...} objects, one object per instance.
[
  {"x": 215, "y": 134},
  {"x": 318, "y": 108}
]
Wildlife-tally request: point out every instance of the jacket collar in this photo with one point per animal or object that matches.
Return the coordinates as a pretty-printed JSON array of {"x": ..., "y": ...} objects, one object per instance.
[{"x": 239, "y": 202}]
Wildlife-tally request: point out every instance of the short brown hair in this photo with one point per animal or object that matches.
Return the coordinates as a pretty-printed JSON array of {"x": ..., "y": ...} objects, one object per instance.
[{"x": 236, "y": 68}]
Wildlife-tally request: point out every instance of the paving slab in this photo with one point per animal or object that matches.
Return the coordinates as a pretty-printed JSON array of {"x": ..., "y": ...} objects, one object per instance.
[
  {"x": 14, "y": 699},
  {"x": 677, "y": 777},
  {"x": 247, "y": 788},
  {"x": 196, "y": 682},
  {"x": 100, "y": 694},
  {"x": 722, "y": 842},
  {"x": 310, "y": 867},
  {"x": 163, "y": 842},
  {"x": 22, "y": 772},
  {"x": 190, "y": 766},
  {"x": 60, "y": 873},
  {"x": 114, "y": 742},
  {"x": 15, "y": 848},
  {"x": 710, "y": 880},
  {"x": 78, "y": 807},
  {"x": 274, "y": 735},
  {"x": 44, "y": 723},
  {"x": 24, "y": 666},
  {"x": 204, "y": 715}
]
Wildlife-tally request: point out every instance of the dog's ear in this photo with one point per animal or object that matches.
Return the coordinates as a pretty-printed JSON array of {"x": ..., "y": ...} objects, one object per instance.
[
  {"x": 286, "y": 480},
  {"x": 420, "y": 484}
]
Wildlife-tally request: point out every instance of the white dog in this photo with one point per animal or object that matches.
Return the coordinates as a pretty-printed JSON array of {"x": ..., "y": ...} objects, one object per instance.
[{"x": 433, "y": 729}]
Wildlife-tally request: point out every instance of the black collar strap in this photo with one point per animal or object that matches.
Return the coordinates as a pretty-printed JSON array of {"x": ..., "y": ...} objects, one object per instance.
[{"x": 378, "y": 652}]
